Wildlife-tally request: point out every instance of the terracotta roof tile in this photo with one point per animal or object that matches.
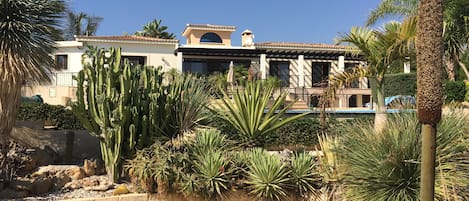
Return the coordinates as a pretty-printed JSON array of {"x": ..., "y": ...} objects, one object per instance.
[
  {"x": 293, "y": 45},
  {"x": 125, "y": 38},
  {"x": 211, "y": 26}
]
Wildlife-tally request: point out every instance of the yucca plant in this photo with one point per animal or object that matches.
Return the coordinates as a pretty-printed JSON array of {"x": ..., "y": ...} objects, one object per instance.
[
  {"x": 267, "y": 176},
  {"x": 386, "y": 166},
  {"x": 209, "y": 140},
  {"x": 211, "y": 168},
  {"x": 304, "y": 176},
  {"x": 252, "y": 115},
  {"x": 213, "y": 173}
]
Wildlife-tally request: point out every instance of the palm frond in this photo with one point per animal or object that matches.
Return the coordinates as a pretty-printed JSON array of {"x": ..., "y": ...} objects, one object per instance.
[{"x": 388, "y": 8}]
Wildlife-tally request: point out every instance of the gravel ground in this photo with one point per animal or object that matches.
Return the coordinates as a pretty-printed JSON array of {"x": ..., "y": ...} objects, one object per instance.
[{"x": 65, "y": 194}]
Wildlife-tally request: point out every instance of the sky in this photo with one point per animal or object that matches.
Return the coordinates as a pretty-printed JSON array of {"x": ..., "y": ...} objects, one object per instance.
[{"x": 304, "y": 21}]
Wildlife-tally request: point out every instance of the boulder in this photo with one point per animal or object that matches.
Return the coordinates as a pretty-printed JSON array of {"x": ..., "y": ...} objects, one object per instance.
[
  {"x": 41, "y": 185},
  {"x": 60, "y": 179},
  {"x": 9, "y": 193},
  {"x": 76, "y": 173},
  {"x": 21, "y": 184},
  {"x": 122, "y": 189}
]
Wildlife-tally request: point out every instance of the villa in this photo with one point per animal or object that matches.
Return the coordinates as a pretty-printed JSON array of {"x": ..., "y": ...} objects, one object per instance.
[{"x": 303, "y": 68}]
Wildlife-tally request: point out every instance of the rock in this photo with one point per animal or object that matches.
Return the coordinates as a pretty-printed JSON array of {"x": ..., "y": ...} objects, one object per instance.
[
  {"x": 88, "y": 182},
  {"x": 60, "y": 179},
  {"x": 10, "y": 193},
  {"x": 53, "y": 169},
  {"x": 21, "y": 184},
  {"x": 76, "y": 173},
  {"x": 41, "y": 185},
  {"x": 89, "y": 167},
  {"x": 122, "y": 189},
  {"x": 101, "y": 187}
]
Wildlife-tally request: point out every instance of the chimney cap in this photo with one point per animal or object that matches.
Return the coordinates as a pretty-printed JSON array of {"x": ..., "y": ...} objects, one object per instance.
[{"x": 246, "y": 32}]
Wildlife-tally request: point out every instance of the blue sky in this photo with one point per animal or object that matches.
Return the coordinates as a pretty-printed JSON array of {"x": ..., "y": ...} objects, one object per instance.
[{"x": 307, "y": 21}]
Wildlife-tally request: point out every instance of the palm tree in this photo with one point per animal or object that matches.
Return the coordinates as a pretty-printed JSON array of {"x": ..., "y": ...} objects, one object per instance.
[
  {"x": 28, "y": 29},
  {"x": 429, "y": 46},
  {"x": 81, "y": 24},
  {"x": 156, "y": 30},
  {"x": 456, "y": 27},
  {"x": 381, "y": 49}
]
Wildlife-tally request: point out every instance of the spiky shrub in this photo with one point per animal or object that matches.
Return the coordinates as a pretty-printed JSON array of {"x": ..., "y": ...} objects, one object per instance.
[
  {"x": 304, "y": 176},
  {"x": 160, "y": 164},
  {"x": 212, "y": 173},
  {"x": 209, "y": 140},
  {"x": 251, "y": 114},
  {"x": 211, "y": 169},
  {"x": 386, "y": 166},
  {"x": 328, "y": 167},
  {"x": 185, "y": 103},
  {"x": 267, "y": 176}
]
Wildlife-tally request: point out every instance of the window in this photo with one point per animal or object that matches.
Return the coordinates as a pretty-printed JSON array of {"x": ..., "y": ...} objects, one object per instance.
[
  {"x": 320, "y": 73},
  {"x": 210, "y": 66},
  {"x": 135, "y": 60},
  {"x": 61, "y": 62},
  {"x": 281, "y": 70},
  {"x": 210, "y": 38}
]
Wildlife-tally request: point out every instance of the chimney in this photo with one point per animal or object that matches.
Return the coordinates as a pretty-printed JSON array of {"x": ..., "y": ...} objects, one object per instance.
[{"x": 247, "y": 38}]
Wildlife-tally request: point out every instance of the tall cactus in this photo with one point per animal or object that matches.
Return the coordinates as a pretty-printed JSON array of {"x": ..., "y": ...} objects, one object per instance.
[{"x": 112, "y": 105}]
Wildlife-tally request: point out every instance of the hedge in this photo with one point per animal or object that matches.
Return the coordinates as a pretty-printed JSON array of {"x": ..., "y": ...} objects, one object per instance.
[
  {"x": 467, "y": 92},
  {"x": 400, "y": 84},
  {"x": 58, "y": 115},
  {"x": 454, "y": 91}
]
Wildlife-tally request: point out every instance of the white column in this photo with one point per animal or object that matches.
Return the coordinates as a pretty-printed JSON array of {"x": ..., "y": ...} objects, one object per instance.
[
  {"x": 341, "y": 63},
  {"x": 179, "y": 61},
  {"x": 407, "y": 66},
  {"x": 301, "y": 71},
  {"x": 263, "y": 67}
]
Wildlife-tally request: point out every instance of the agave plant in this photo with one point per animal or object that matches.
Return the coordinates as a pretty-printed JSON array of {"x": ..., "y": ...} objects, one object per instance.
[
  {"x": 303, "y": 175},
  {"x": 251, "y": 113},
  {"x": 386, "y": 166},
  {"x": 267, "y": 176}
]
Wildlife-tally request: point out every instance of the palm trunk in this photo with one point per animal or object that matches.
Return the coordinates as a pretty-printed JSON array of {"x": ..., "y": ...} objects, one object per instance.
[
  {"x": 380, "y": 113},
  {"x": 9, "y": 103},
  {"x": 427, "y": 181},
  {"x": 429, "y": 45}
]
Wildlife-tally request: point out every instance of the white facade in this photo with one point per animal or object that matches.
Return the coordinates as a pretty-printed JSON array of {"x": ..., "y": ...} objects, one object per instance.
[{"x": 155, "y": 52}]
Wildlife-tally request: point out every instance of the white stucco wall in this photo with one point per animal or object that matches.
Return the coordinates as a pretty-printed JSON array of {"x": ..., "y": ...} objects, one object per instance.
[
  {"x": 156, "y": 54},
  {"x": 63, "y": 87}
]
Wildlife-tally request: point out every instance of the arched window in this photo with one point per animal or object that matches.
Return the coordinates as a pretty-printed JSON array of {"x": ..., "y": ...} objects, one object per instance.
[{"x": 210, "y": 38}]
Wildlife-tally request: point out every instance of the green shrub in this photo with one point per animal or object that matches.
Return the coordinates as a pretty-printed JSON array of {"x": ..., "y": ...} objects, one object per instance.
[
  {"x": 303, "y": 131},
  {"x": 58, "y": 115},
  {"x": 400, "y": 84},
  {"x": 467, "y": 92},
  {"x": 386, "y": 166},
  {"x": 454, "y": 91}
]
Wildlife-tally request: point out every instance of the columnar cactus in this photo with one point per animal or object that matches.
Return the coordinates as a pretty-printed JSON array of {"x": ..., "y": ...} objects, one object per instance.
[{"x": 113, "y": 106}]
